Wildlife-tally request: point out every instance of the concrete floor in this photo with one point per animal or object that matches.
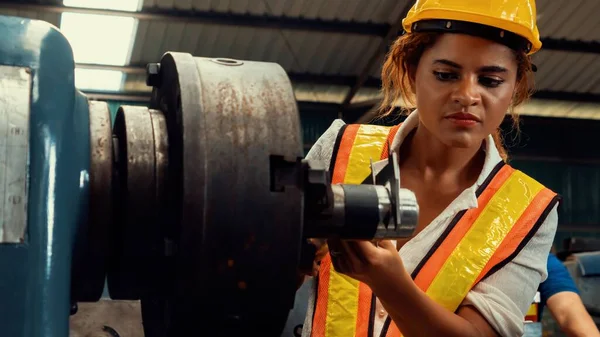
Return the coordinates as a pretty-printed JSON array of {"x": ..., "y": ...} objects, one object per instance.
[{"x": 122, "y": 316}]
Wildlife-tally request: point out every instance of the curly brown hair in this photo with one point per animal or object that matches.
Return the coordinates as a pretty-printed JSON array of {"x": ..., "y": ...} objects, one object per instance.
[{"x": 403, "y": 57}]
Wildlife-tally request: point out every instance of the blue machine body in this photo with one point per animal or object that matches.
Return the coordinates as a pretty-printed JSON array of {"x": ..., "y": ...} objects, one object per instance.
[{"x": 35, "y": 281}]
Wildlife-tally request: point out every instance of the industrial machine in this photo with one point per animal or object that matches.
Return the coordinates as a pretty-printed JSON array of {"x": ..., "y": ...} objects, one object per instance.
[
  {"x": 584, "y": 267},
  {"x": 199, "y": 205}
]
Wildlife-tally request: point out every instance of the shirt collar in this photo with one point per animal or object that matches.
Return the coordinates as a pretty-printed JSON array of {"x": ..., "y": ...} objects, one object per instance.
[{"x": 468, "y": 199}]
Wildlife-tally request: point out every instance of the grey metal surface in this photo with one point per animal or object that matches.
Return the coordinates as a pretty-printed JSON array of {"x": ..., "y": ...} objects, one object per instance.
[
  {"x": 533, "y": 329},
  {"x": 587, "y": 282},
  {"x": 296, "y": 317},
  {"x": 101, "y": 167},
  {"x": 15, "y": 96},
  {"x": 91, "y": 250},
  {"x": 141, "y": 164},
  {"x": 237, "y": 241},
  {"x": 161, "y": 159}
]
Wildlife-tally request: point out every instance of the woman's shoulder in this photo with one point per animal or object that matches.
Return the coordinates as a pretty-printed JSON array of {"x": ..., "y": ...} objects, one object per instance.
[
  {"x": 322, "y": 150},
  {"x": 504, "y": 297},
  {"x": 530, "y": 177}
]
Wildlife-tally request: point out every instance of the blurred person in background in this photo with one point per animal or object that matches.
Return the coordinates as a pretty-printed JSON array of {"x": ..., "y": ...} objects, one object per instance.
[{"x": 560, "y": 294}]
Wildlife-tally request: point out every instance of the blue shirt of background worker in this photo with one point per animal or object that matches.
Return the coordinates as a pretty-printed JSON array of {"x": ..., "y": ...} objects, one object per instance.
[
  {"x": 558, "y": 280},
  {"x": 560, "y": 294}
]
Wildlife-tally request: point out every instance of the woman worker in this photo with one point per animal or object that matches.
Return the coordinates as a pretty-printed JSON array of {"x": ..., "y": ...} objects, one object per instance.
[{"x": 484, "y": 230}]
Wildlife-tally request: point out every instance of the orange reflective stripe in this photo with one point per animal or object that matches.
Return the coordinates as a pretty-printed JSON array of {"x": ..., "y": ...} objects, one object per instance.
[
  {"x": 325, "y": 320},
  {"x": 320, "y": 315},
  {"x": 343, "y": 155},
  {"x": 525, "y": 227},
  {"x": 364, "y": 309},
  {"x": 393, "y": 331},
  {"x": 531, "y": 202},
  {"x": 439, "y": 257},
  {"x": 390, "y": 140}
]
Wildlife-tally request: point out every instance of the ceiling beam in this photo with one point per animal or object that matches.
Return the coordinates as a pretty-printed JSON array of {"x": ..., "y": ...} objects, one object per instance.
[
  {"x": 592, "y": 47},
  {"x": 133, "y": 96},
  {"x": 584, "y": 97},
  {"x": 133, "y": 70},
  {"x": 214, "y": 17}
]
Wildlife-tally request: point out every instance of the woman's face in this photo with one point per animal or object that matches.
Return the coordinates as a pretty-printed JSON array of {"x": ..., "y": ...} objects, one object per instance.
[{"x": 464, "y": 86}]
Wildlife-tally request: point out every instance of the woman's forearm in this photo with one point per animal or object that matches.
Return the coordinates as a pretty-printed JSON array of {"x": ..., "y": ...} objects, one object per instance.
[{"x": 416, "y": 314}]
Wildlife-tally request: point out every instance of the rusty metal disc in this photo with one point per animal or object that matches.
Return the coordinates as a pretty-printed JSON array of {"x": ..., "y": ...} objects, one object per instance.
[
  {"x": 238, "y": 242},
  {"x": 161, "y": 159},
  {"x": 141, "y": 152},
  {"x": 91, "y": 248}
]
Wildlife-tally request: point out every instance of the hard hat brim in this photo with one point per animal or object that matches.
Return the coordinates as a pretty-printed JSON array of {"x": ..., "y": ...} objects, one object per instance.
[
  {"x": 507, "y": 38},
  {"x": 492, "y": 25}
]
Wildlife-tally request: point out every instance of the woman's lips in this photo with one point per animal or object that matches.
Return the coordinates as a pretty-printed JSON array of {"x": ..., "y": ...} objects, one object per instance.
[{"x": 463, "y": 119}]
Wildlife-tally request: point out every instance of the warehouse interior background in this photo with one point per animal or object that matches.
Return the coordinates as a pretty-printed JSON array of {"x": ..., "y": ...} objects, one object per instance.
[{"x": 332, "y": 51}]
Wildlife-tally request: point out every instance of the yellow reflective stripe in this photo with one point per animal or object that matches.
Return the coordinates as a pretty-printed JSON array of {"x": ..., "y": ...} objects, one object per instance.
[
  {"x": 343, "y": 292},
  {"x": 342, "y": 305},
  {"x": 463, "y": 266},
  {"x": 532, "y": 310},
  {"x": 368, "y": 145}
]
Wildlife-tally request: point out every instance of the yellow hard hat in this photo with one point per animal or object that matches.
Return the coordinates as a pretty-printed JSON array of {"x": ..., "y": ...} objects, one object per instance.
[{"x": 510, "y": 22}]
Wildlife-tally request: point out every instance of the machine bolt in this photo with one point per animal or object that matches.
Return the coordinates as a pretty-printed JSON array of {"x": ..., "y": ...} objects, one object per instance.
[
  {"x": 153, "y": 78},
  {"x": 74, "y": 308}
]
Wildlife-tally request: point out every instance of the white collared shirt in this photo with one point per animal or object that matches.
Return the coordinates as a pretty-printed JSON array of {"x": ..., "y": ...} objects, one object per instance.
[{"x": 504, "y": 297}]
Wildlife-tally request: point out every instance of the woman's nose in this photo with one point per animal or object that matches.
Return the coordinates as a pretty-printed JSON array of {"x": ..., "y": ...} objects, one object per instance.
[{"x": 467, "y": 93}]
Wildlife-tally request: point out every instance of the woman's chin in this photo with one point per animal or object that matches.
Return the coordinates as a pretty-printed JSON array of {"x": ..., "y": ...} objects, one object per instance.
[{"x": 462, "y": 140}]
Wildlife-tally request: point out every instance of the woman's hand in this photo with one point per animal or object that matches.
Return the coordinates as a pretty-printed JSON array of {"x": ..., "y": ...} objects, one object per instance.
[
  {"x": 373, "y": 264},
  {"x": 321, "y": 251}
]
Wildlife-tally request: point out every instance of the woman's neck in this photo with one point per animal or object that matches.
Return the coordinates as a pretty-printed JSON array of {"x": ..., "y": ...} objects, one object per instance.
[{"x": 423, "y": 152}]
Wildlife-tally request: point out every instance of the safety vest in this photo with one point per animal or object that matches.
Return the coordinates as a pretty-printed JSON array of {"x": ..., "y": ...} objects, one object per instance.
[
  {"x": 467, "y": 251},
  {"x": 533, "y": 314}
]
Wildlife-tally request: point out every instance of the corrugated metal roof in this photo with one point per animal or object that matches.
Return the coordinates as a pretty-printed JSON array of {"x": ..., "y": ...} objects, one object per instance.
[
  {"x": 380, "y": 11},
  {"x": 295, "y": 51},
  {"x": 568, "y": 71},
  {"x": 343, "y": 54},
  {"x": 569, "y": 19},
  {"x": 573, "y": 19}
]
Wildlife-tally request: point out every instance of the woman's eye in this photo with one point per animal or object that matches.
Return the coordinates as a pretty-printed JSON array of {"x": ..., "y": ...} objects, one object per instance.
[
  {"x": 445, "y": 75},
  {"x": 490, "y": 82}
]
